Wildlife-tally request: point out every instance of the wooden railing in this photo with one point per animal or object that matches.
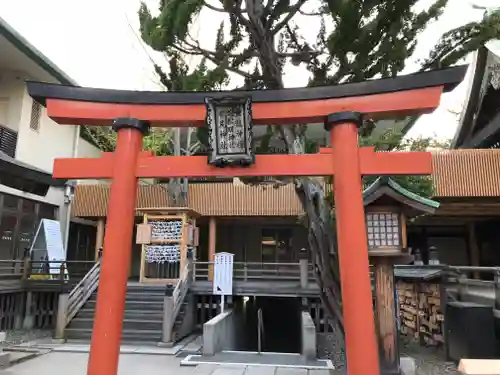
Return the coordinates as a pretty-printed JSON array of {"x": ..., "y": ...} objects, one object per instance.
[
  {"x": 458, "y": 282},
  {"x": 182, "y": 288},
  {"x": 82, "y": 291},
  {"x": 173, "y": 302},
  {"x": 12, "y": 269},
  {"x": 256, "y": 271},
  {"x": 30, "y": 270}
]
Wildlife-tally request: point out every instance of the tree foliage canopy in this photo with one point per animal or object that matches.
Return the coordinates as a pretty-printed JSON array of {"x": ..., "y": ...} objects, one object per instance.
[
  {"x": 356, "y": 40},
  {"x": 256, "y": 39}
]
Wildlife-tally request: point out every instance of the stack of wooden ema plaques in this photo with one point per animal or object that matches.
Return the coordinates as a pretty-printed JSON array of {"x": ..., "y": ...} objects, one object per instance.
[
  {"x": 420, "y": 312},
  {"x": 408, "y": 308}
]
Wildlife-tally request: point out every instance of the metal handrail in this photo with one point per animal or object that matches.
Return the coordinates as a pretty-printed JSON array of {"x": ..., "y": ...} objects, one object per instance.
[{"x": 260, "y": 330}]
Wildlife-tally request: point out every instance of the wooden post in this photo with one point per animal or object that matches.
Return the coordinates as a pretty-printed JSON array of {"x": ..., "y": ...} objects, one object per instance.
[
  {"x": 475, "y": 254},
  {"x": 212, "y": 241},
  {"x": 183, "y": 244},
  {"x": 168, "y": 312},
  {"x": 386, "y": 315},
  {"x": 26, "y": 267},
  {"x": 29, "y": 319},
  {"x": 17, "y": 266},
  {"x": 462, "y": 286},
  {"x": 444, "y": 298},
  {"x": 497, "y": 290},
  {"x": 99, "y": 238},
  {"x": 62, "y": 274},
  {"x": 62, "y": 312},
  {"x": 190, "y": 265},
  {"x": 304, "y": 274}
]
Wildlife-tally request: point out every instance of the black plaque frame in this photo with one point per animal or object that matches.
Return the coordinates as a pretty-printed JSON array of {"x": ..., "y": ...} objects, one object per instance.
[{"x": 215, "y": 157}]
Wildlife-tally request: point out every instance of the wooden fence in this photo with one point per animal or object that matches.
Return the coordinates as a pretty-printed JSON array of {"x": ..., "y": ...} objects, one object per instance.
[{"x": 29, "y": 291}]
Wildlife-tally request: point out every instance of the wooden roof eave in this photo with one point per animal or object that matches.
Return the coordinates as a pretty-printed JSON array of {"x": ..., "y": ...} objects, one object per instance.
[
  {"x": 485, "y": 135},
  {"x": 473, "y": 99},
  {"x": 387, "y": 186}
]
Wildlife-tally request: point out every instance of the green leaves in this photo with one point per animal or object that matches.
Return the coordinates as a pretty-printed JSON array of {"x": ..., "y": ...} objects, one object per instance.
[
  {"x": 171, "y": 25},
  {"x": 159, "y": 140},
  {"x": 391, "y": 140},
  {"x": 457, "y": 43}
]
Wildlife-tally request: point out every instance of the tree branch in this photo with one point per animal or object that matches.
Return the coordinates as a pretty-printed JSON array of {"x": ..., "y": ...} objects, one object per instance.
[
  {"x": 220, "y": 10},
  {"x": 222, "y": 64},
  {"x": 292, "y": 12},
  {"x": 318, "y": 13},
  {"x": 237, "y": 11}
]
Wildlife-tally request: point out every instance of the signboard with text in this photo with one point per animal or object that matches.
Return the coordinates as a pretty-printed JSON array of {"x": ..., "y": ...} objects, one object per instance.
[{"x": 223, "y": 274}]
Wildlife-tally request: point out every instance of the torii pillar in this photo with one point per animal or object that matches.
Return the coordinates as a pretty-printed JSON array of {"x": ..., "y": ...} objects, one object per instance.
[
  {"x": 115, "y": 263},
  {"x": 357, "y": 307}
]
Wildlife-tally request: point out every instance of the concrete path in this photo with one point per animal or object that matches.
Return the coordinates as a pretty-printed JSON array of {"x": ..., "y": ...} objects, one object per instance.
[
  {"x": 285, "y": 360},
  {"x": 124, "y": 349},
  {"x": 191, "y": 344},
  {"x": 133, "y": 364},
  {"x": 208, "y": 369},
  {"x": 76, "y": 364}
]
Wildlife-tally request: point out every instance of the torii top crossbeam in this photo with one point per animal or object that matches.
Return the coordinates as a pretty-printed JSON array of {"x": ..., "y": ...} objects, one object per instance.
[
  {"x": 341, "y": 109},
  {"x": 384, "y": 98}
]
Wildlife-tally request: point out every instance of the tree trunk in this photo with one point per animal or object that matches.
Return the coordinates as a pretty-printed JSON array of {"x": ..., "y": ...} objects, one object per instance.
[
  {"x": 177, "y": 187},
  {"x": 310, "y": 192},
  {"x": 322, "y": 243}
]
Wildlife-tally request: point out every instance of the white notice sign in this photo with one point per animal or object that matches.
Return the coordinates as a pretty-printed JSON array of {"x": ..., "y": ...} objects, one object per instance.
[
  {"x": 47, "y": 244},
  {"x": 223, "y": 274}
]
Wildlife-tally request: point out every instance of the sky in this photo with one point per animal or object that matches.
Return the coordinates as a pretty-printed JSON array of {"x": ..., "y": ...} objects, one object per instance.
[{"x": 96, "y": 43}]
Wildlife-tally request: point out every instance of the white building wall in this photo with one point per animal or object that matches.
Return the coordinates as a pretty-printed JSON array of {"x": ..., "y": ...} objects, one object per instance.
[
  {"x": 38, "y": 147},
  {"x": 87, "y": 150},
  {"x": 11, "y": 93}
]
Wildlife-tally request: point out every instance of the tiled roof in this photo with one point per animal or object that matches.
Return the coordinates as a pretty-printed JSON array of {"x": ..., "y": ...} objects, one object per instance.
[
  {"x": 456, "y": 173},
  {"x": 466, "y": 173},
  {"x": 211, "y": 199}
]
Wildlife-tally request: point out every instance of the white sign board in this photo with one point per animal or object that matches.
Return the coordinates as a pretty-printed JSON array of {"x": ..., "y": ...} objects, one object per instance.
[
  {"x": 223, "y": 274},
  {"x": 47, "y": 245}
]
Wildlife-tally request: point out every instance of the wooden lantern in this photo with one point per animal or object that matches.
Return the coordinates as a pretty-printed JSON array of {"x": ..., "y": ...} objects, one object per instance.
[{"x": 387, "y": 207}]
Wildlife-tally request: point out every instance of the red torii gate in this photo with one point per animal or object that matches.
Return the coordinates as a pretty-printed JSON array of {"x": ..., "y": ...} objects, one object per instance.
[{"x": 339, "y": 107}]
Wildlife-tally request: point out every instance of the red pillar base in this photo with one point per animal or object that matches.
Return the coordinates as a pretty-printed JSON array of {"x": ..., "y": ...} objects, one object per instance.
[
  {"x": 115, "y": 262},
  {"x": 359, "y": 323}
]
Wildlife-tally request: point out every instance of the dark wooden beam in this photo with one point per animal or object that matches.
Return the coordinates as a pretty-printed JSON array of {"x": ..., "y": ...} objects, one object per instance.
[{"x": 486, "y": 135}]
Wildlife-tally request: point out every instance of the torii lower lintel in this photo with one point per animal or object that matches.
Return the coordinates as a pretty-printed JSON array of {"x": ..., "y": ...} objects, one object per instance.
[{"x": 148, "y": 166}]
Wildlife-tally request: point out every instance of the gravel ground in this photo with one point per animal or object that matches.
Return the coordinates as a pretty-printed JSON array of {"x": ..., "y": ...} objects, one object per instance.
[
  {"x": 16, "y": 337},
  {"x": 430, "y": 361}
]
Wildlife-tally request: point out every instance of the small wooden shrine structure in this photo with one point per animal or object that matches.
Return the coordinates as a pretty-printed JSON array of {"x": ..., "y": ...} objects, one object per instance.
[
  {"x": 166, "y": 236},
  {"x": 388, "y": 205}
]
